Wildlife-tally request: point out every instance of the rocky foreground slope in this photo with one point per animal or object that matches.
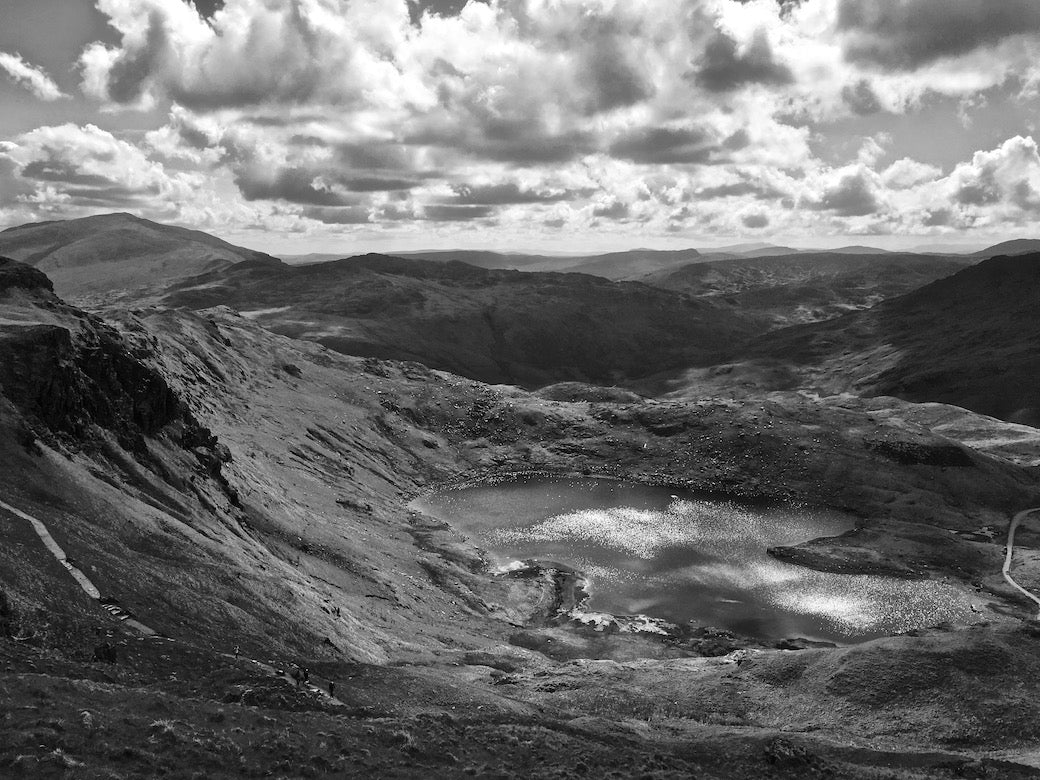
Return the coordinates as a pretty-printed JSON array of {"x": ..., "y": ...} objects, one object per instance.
[{"x": 244, "y": 494}]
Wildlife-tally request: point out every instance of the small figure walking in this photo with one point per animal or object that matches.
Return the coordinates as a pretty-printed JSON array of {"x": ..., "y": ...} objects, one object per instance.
[
  {"x": 236, "y": 651},
  {"x": 332, "y": 688}
]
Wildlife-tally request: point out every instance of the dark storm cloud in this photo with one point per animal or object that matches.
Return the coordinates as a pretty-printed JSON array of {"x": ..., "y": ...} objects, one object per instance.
[
  {"x": 662, "y": 145},
  {"x": 1024, "y": 196},
  {"x": 905, "y": 34},
  {"x": 723, "y": 68},
  {"x": 737, "y": 189},
  {"x": 503, "y": 194},
  {"x": 615, "y": 82},
  {"x": 938, "y": 218},
  {"x": 129, "y": 75},
  {"x": 416, "y": 8},
  {"x": 89, "y": 189},
  {"x": 444, "y": 212},
  {"x": 295, "y": 185},
  {"x": 861, "y": 98},
  {"x": 207, "y": 8},
  {"x": 755, "y": 221},
  {"x": 346, "y": 215},
  {"x": 376, "y": 183},
  {"x": 616, "y": 210},
  {"x": 515, "y": 143},
  {"x": 375, "y": 156},
  {"x": 62, "y": 171},
  {"x": 851, "y": 197},
  {"x": 114, "y": 196},
  {"x": 739, "y": 140},
  {"x": 983, "y": 192}
]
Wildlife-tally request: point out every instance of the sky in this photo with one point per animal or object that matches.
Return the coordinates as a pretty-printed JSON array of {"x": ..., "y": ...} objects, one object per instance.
[{"x": 297, "y": 126}]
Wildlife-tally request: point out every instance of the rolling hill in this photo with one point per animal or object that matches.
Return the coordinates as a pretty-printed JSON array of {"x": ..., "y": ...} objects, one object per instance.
[
  {"x": 493, "y": 325},
  {"x": 969, "y": 340},
  {"x": 806, "y": 287},
  {"x": 1017, "y": 246},
  {"x": 105, "y": 254}
]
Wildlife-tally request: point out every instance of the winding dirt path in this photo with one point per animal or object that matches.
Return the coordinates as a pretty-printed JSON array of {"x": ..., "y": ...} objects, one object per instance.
[
  {"x": 110, "y": 606},
  {"x": 1010, "y": 551},
  {"x": 81, "y": 579}
]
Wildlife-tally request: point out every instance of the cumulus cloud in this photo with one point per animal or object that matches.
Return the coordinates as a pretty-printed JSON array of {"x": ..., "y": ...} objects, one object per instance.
[
  {"x": 30, "y": 77},
  {"x": 89, "y": 169},
  {"x": 506, "y": 193},
  {"x": 1008, "y": 177},
  {"x": 664, "y": 115}
]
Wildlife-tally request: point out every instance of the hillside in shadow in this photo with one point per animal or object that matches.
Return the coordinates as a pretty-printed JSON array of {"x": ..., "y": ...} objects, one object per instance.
[
  {"x": 498, "y": 326},
  {"x": 970, "y": 340}
]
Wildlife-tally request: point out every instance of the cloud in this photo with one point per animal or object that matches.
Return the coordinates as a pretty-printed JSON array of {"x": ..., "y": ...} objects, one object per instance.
[
  {"x": 757, "y": 190},
  {"x": 1008, "y": 176},
  {"x": 32, "y": 78},
  {"x": 861, "y": 98},
  {"x": 506, "y": 193},
  {"x": 665, "y": 145},
  {"x": 296, "y": 185},
  {"x": 755, "y": 221},
  {"x": 614, "y": 210},
  {"x": 89, "y": 168},
  {"x": 906, "y": 34},
  {"x": 250, "y": 53},
  {"x": 724, "y": 67},
  {"x": 851, "y": 196},
  {"x": 906, "y": 173},
  {"x": 349, "y": 215},
  {"x": 443, "y": 212}
]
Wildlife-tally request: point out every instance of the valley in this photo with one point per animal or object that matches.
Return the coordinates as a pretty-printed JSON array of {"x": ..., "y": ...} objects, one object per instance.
[{"x": 232, "y": 454}]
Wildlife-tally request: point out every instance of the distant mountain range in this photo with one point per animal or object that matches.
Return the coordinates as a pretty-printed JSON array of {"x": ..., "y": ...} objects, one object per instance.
[
  {"x": 918, "y": 326},
  {"x": 634, "y": 264}
]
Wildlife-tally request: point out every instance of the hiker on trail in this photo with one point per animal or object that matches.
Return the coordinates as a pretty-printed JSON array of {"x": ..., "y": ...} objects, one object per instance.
[
  {"x": 236, "y": 651},
  {"x": 332, "y": 688},
  {"x": 306, "y": 674}
]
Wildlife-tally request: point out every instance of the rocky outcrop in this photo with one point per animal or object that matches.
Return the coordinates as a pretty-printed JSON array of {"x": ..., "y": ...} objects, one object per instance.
[
  {"x": 73, "y": 378},
  {"x": 14, "y": 274}
]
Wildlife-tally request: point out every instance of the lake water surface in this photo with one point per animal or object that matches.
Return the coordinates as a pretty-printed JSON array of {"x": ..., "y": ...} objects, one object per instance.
[{"x": 678, "y": 556}]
